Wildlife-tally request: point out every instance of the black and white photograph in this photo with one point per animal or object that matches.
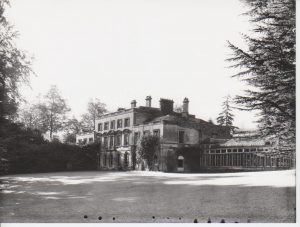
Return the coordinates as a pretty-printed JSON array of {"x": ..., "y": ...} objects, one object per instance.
[{"x": 148, "y": 111}]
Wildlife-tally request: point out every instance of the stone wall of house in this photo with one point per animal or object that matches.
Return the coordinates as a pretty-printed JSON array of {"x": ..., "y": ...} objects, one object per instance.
[{"x": 171, "y": 134}]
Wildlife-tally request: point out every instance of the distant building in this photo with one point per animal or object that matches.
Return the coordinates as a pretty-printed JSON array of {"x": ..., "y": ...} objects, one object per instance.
[
  {"x": 120, "y": 131},
  {"x": 85, "y": 138}
]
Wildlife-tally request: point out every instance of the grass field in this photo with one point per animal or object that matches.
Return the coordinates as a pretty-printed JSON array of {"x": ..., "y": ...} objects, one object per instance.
[{"x": 148, "y": 197}]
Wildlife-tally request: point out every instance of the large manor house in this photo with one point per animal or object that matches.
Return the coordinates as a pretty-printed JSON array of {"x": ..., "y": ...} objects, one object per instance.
[{"x": 186, "y": 143}]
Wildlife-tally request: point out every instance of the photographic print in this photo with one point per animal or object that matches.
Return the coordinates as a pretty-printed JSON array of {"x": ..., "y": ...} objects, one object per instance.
[{"x": 147, "y": 111}]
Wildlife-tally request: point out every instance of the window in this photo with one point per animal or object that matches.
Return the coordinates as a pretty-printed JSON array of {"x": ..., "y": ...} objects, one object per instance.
[
  {"x": 240, "y": 150},
  {"x": 126, "y": 139},
  {"x": 90, "y": 139},
  {"x": 105, "y": 159},
  {"x": 156, "y": 132},
  {"x": 100, "y": 127},
  {"x": 136, "y": 137},
  {"x": 111, "y": 159},
  {"x": 217, "y": 151},
  {"x": 234, "y": 150},
  {"x": 119, "y": 123},
  {"x": 112, "y": 125},
  {"x": 228, "y": 150},
  {"x": 127, "y": 122},
  {"x": 119, "y": 140},
  {"x": 180, "y": 162},
  {"x": 246, "y": 150},
  {"x": 223, "y": 151},
  {"x": 106, "y": 126},
  {"x": 181, "y": 137},
  {"x": 146, "y": 133},
  {"x": 111, "y": 141},
  {"x": 105, "y": 141},
  {"x": 84, "y": 140}
]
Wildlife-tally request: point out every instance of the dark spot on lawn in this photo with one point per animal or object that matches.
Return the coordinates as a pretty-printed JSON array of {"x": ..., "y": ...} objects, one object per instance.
[
  {"x": 114, "y": 218},
  {"x": 85, "y": 216},
  {"x": 179, "y": 218},
  {"x": 153, "y": 217},
  {"x": 100, "y": 218},
  {"x": 223, "y": 221},
  {"x": 195, "y": 221},
  {"x": 208, "y": 221}
]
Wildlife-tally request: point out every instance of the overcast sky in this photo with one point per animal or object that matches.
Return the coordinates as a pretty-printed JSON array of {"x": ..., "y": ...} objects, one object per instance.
[{"x": 118, "y": 50}]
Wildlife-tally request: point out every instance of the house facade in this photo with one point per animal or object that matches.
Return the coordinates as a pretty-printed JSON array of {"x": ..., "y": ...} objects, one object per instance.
[{"x": 119, "y": 133}]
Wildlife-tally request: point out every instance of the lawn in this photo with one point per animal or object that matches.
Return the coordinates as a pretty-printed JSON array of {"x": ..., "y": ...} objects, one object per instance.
[{"x": 148, "y": 197}]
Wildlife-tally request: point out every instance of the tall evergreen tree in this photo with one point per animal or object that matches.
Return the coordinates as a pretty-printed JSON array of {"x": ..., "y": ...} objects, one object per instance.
[
  {"x": 268, "y": 65},
  {"x": 226, "y": 117}
]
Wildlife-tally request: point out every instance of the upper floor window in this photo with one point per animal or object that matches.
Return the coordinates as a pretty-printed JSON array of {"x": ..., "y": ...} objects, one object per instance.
[
  {"x": 126, "y": 139},
  {"x": 181, "y": 137},
  {"x": 105, "y": 142},
  {"x": 156, "y": 132},
  {"x": 119, "y": 140},
  {"x": 112, "y": 125},
  {"x": 100, "y": 127},
  {"x": 136, "y": 137},
  {"x": 146, "y": 133},
  {"x": 111, "y": 141},
  {"x": 119, "y": 123},
  {"x": 106, "y": 125},
  {"x": 127, "y": 122}
]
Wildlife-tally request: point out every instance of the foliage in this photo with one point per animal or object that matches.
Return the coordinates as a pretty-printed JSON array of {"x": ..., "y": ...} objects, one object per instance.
[
  {"x": 27, "y": 152},
  {"x": 72, "y": 127},
  {"x": 95, "y": 109},
  {"x": 178, "y": 109},
  {"x": 14, "y": 67},
  {"x": 147, "y": 147},
  {"x": 268, "y": 65},
  {"x": 226, "y": 117},
  {"x": 52, "y": 112}
]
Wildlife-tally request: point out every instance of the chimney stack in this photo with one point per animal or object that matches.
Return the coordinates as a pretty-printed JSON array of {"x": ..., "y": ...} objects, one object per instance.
[
  {"x": 133, "y": 103},
  {"x": 148, "y": 101},
  {"x": 185, "y": 106},
  {"x": 166, "y": 106}
]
